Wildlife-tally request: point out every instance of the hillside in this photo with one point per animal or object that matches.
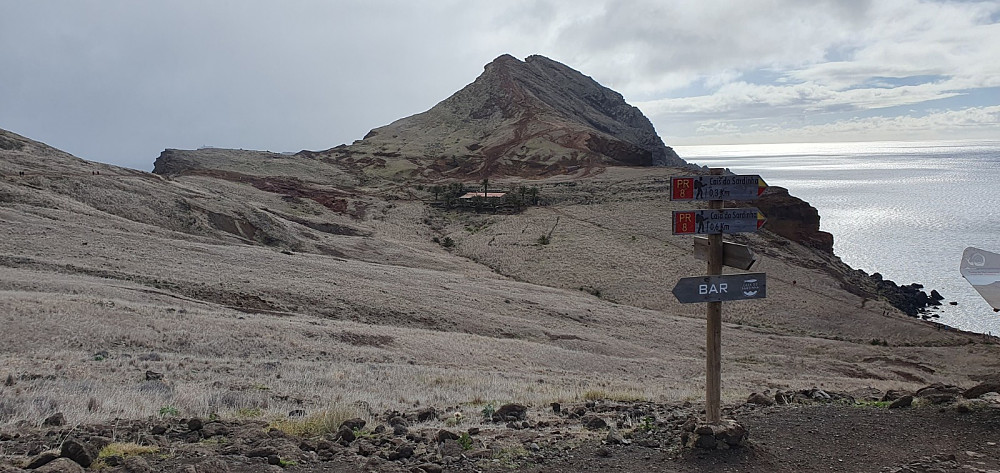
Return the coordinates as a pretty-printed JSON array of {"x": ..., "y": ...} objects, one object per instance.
[{"x": 196, "y": 268}]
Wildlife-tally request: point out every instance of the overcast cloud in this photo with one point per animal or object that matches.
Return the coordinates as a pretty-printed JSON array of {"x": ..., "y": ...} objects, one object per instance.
[{"x": 119, "y": 80}]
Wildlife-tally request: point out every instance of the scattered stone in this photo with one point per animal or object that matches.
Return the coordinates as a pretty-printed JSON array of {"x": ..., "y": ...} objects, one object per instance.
[
  {"x": 158, "y": 429},
  {"x": 135, "y": 464},
  {"x": 212, "y": 429},
  {"x": 593, "y": 423},
  {"x": 444, "y": 434},
  {"x": 616, "y": 438},
  {"x": 978, "y": 390},
  {"x": 726, "y": 434},
  {"x": 648, "y": 443},
  {"x": 153, "y": 375},
  {"x": 398, "y": 420},
  {"x": 9, "y": 381},
  {"x": 366, "y": 449},
  {"x": 450, "y": 448},
  {"x": 556, "y": 408},
  {"x": 297, "y": 413},
  {"x": 510, "y": 412},
  {"x": 356, "y": 423},
  {"x": 42, "y": 459},
  {"x": 211, "y": 466},
  {"x": 427, "y": 414},
  {"x": 345, "y": 433},
  {"x": 60, "y": 465},
  {"x": 79, "y": 452},
  {"x": 55, "y": 420},
  {"x": 760, "y": 400},
  {"x": 603, "y": 452},
  {"x": 474, "y": 431},
  {"x": 904, "y": 401},
  {"x": 893, "y": 394},
  {"x": 195, "y": 424},
  {"x": 939, "y": 393},
  {"x": 401, "y": 453},
  {"x": 428, "y": 468}
]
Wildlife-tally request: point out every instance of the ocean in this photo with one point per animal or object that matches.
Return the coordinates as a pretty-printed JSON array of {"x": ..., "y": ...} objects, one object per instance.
[{"x": 906, "y": 210}]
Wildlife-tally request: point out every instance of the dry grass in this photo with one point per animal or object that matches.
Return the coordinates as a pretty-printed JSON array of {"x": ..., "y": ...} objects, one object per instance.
[{"x": 326, "y": 421}]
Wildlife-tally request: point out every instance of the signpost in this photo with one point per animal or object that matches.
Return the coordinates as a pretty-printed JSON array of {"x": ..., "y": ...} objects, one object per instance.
[
  {"x": 715, "y": 288},
  {"x": 733, "y": 255}
]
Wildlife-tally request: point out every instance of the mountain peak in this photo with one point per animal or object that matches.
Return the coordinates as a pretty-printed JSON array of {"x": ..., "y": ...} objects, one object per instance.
[{"x": 528, "y": 118}]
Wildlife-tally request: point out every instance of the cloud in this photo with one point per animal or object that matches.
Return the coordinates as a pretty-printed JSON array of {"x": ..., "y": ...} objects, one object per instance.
[{"x": 968, "y": 123}]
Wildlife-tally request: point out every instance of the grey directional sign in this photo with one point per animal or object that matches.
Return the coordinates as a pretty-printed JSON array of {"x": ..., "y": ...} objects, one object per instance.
[
  {"x": 729, "y": 287},
  {"x": 748, "y": 187},
  {"x": 704, "y": 222},
  {"x": 734, "y": 255}
]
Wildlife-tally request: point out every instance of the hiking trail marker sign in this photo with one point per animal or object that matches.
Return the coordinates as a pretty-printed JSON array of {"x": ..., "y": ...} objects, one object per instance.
[
  {"x": 707, "y": 222},
  {"x": 715, "y": 288},
  {"x": 748, "y": 187}
]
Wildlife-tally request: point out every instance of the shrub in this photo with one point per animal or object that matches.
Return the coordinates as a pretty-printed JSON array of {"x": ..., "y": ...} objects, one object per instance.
[
  {"x": 544, "y": 240},
  {"x": 117, "y": 449},
  {"x": 317, "y": 424}
]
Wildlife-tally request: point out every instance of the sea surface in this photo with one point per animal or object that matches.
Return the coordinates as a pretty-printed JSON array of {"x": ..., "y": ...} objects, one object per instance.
[{"x": 906, "y": 210}]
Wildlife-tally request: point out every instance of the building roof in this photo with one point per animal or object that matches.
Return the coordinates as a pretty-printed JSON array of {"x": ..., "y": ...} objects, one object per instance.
[{"x": 488, "y": 195}]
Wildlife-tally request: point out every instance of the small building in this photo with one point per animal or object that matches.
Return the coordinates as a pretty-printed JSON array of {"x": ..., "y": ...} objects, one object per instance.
[{"x": 484, "y": 195}]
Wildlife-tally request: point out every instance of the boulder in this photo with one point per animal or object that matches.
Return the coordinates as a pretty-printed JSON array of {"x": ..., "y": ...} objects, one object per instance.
[
  {"x": 401, "y": 453},
  {"x": 42, "y": 459},
  {"x": 510, "y": 412},
  {"x": 195, "y": 424},
  {"x": 135, "y": 464},
  {"x": 345, "y": 433},
  {"x": 79, "y": 452},
  {"x": 726, "y": 434},
  {"x": 616, "y": 438},
  {"x": 904, "y": 401},
  {"x": 939, "y": 393},
  {"x": 427, "y": 414},
  {"x": 444, "y": 434},
  {"x": 894, "y": 394},
  {"x": 760, "y": 399},
  {"x": 593, "y": 423},
  {"x": 356, "y": 423},
  {"x": 61, "y": 465},
  {"x": 980, "y": 389},
  {"x": 55, "y": 420}
]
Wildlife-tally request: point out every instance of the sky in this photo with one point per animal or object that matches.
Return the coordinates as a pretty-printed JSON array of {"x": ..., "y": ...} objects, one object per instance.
[{"x": 118, "y": 81}]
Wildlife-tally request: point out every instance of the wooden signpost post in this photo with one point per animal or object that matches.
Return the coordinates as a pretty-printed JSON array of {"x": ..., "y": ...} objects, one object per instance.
[{"x": 714, "y": 288}]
